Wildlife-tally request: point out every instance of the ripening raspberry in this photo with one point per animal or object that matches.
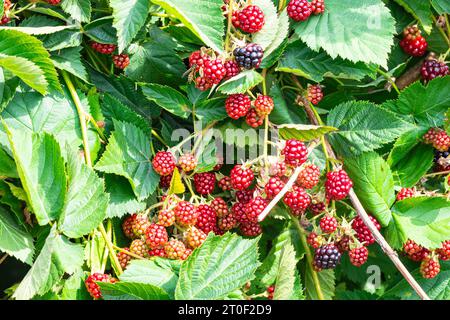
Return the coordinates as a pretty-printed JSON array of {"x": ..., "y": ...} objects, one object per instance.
[
  {"x": 430, "y": 267},
  {"x": 175, "y": 249},
  {"x": 127, "y": 226},
  {"x": 241, "y": 177},
  {"x": 263, "y": 105},
  {"x": 314, "y": 93},
  {"x": 140, "y": 224},
  {"x": 432, "y": 68},
  {"x": 299, "y": 10},
  {"x": 363, "y": 233},
  {"x": 138, "y": 247},
  {"x": 254, "y": 208},
  {"x": 337, "y": 185},
  {"x": 405, "y": 193},
  {"x": 227, "y": 222},
  {"x": 187, "y": 162},
  {"x": 295, "y": 152},
  {"x": 194, "y": 237},
  {"x": 207, "y": 218},
  {"x": 214, "y": 71},
  {"x": 411, "y": 247},
  {"x": 219, "y": 206},
  {"x": 438, "y": 138},
  {"x": 225, "y": 183},
  {"x": 103, "y": 48},
  {"x": 309, "y": 176},
  {"x": 328, "y": 224},
  {"x": 413, "y": 43},
  {"x": 166, "y": 217},
  {"x": 186, "y": 213},
  {"x": 250, "y": 229},
  {"x": 121, "y": 61},
  {"x": 237, "y": 105},
  {"x": 297, "y": 199},
  {"x": 197, "y": 60},
  {"x": 231, "y": 69},
  {"x": 163, "y": 163},
  {"x": 273, "y": 187},
  {"x": 318, "y": 6},
  {"x": 253, "y": 119},
  {"x": 93, "y": 288},
  {"x": 250, "y": 19},
  {"x": 124, "y": 258},
  {"x": 358, "y": 256},
  {"x": 204, "y": 182},
  {"x": 156, "y": 236}
]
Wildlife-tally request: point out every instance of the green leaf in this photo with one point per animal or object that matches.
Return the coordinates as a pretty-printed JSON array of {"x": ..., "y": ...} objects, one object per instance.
[
  {"x": 268, "y": 32},
  {"x": 241, "y": 83},
  {"x": 101, "y": 30},
  {"x": 326, "y": 280},
  {"x": 285, "y": 281},
  {"x": 211, "y": 110},
  {"x": 203, "y": 17},
  {"x": 79, "y": 10},
  {"x": 363, "y": 126},
  {"x": 129, "y": 18},
  {"x": 373, "y": 182},
  {"x": 26, "y": 70},
  {"x": 39, "y": 30},
  {"x": 420, "y": 10},
  {"x": 411, "y": 169},
  {"x": 304, "y": 132},
  {"x": 131, "y": 291},
  {"x": 280, "y": 35},
  {"x": 14, "y": 240},
  {"x": 7, "y": 165},
  {"x": 176, "y": 184},
  {"x": 350, "y": 29},
  {"x": 222, "y": 264},
  {"x": 285, "y": 111},
  {"x": 128, "y": 154},
  {"x": 426, "y": 104},
  {"x": 74, "y": 288},
  {"x": 441, "y": 6},
  {"x": 151, "y": 272},
  {"x": 17, "y": 44},
  {"x": 426, "y": 220},
  {"x": 121, "y": 197},
  {"x": 57, "y": 257},
  {"x": 437, "y": 288},
  {"x": 302, "y": 61},
  {"x": 86, "y": 200},
  {"x": 167, "y": 67},
  {"x": 45, "y": 185},
  {"x": 69, "y": 59},
  {"x": 168, "y": 99}
]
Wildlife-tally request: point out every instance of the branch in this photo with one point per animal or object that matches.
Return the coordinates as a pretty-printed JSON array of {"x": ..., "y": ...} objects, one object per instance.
[
  {"x": 412, "y": 75},
  {"x": 377, "y": 235}
]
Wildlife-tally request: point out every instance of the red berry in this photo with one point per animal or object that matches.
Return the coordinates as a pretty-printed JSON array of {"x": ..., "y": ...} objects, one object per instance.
[
  {"x": 438, "y": 138},
  {"x": 237, "y": 105},
  {"x": 254, "y": 208},
  {"x": 127, "y": 226},
  {"x": 194, "y": 237},
  {"x": 297, "y": 199},
  {"x": 244, "y": 196},
  {"x": 308, "y": 177},
  {"x": 273, "y": 187},
  {"x": 103, "y": 48},
  {"x": 362, "y": 231},
  {"x": 250, "y": 19},
  {"x": 124, "y": 258},
  {"x": 317, "y": 6},
  {"x": 338, "y": 185},
  {"x": 299, "y": 10},
  {"x": 227, "y": 222},
  {"x": 93, "y": 288},
  {"x": 314, "y": 240},
  {"x": 219, "y": 206},
  {"x": 419, "y": 256},
  {"x": 53, "y": 2},
  {"x": 164, "y": 181},
  {"x": 263, "y": 105},
  {"x": 204, "y": 182},
  {"x": 239, "y": 213},
  {"x": 166, "y": 217},
  {"x": 430, "y": 267},
  {"x": 202, "y": 84},
  {"x": 163, "y": 163},
  {"x": 314, "y": 93},
  {"x": 317, "y": 208},
  {"x": 241, "y": 177},
  {"x": 445, "y": 248},
  {"x": 225, "y": 183},
  {"x": 270, "y": 292},
  {"x": 186, "y": 254},
  {"x": 206, "y": 219},
  {"x": 187, "y": 162},
  {"x": 343, "y": 244},
  {"x": 175, "y": 249},
  {"x": 328, "y": 224},
  {"x": 186, "y": 213},
  {"x": 214, "y": 71},
  {"x": 250, "y": 229},
  {"x": 433, "y": 68},
  {"x": 413, "y": 43},
  {"x": 121, "y": 61},
  {"x": 197, "y": 60},
  {"x": 6, "y": 6},
  {"x": 277, "y": 169},
  {"x": 140, "y": 224},
  {"x": 358, "y": 256},
  {"x": 138, "y": 247},
  {"x": 252, "y": 119},
  {"x": 295, "y": 152},
  {"x": 231, "y": 69},
  {"x": 159, "y": 252},
  {"x": 405, "y": 193},
  {"x": 411, "y": 247},
  {"x": 156, "y": 236}
]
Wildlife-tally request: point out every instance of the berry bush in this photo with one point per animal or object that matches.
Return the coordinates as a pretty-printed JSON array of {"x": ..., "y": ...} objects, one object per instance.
[{"x": 299, "y": 147}]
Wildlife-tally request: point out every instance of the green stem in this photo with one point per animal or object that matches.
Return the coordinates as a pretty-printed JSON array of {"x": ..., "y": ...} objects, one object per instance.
[
  {"x": 309, "y": 258},
  {"x": 389, "y": 79},
  {"x": 23, "y": 8},
  {"x": 229, "y": 17},
  {"x": 444, "y": 35},
  {"x": 94, "y": 57},
  {"x": 87, "y": 157},
  {"x": 157, "y": 136},
  {"x": 281, "y": 5}
]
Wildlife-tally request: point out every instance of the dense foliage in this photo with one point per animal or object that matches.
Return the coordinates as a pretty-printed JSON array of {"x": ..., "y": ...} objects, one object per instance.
[{"x": 224, "y": 149}]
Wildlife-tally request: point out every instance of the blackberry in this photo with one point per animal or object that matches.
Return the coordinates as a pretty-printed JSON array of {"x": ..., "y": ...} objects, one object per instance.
[
  {"x": 433, "y": 68},
  {"x": 250, "y": 56},
  {"x": 327, "y": 257}
]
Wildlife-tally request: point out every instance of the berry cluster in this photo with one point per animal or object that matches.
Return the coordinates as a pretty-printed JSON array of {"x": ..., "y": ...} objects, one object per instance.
[
  {"x": 428, "y": 258},
  {"x": 300, "y": 10},
  {"x": 92, "y": 286},
  {"x": 121, "y": 61},
  {"x": 240, "y": 105},
  {"x": 432, "y": 68},
  {"x": 440, "y": 141}
]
